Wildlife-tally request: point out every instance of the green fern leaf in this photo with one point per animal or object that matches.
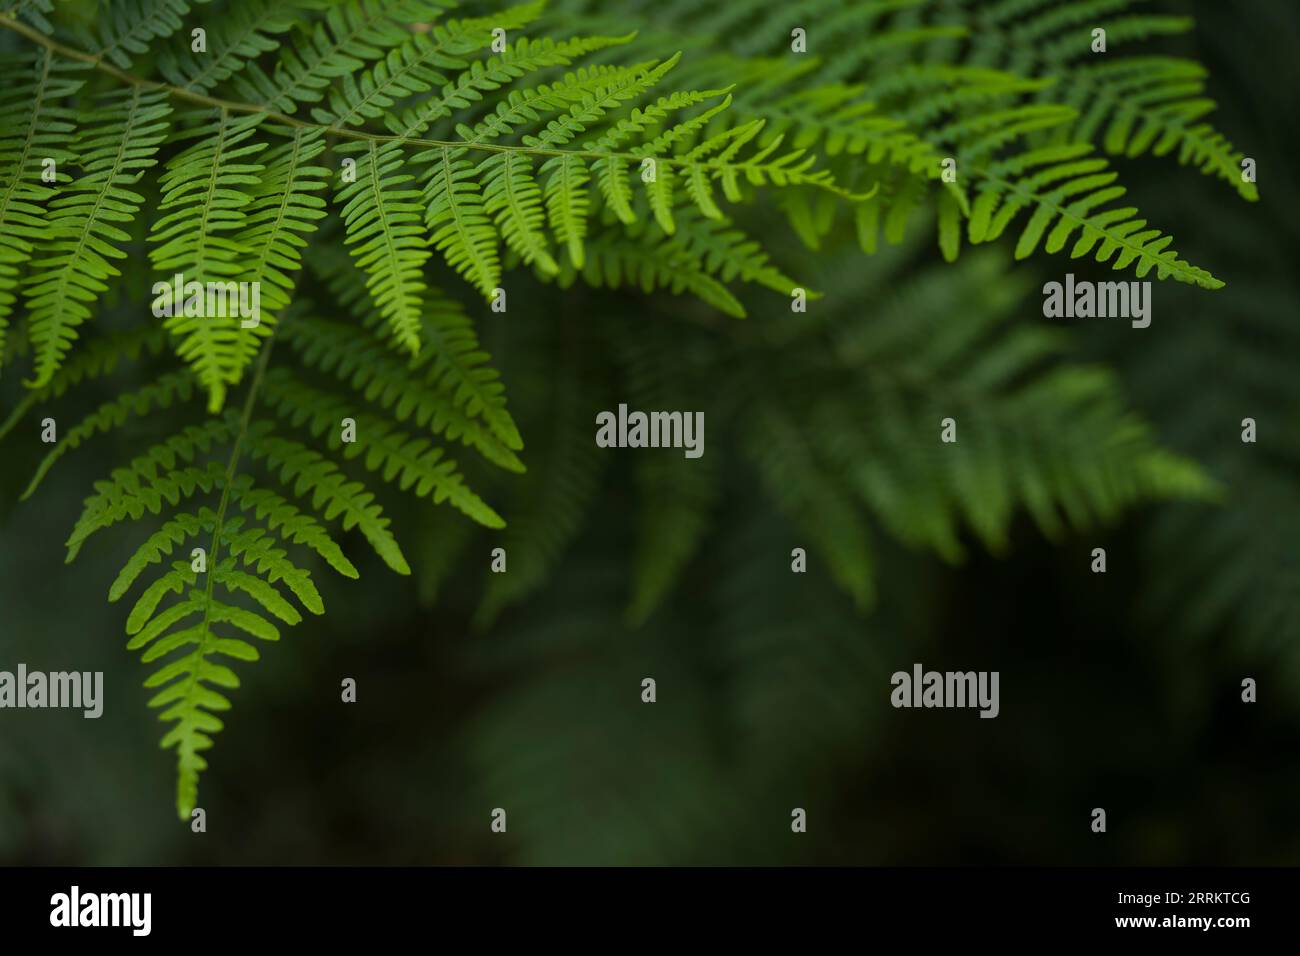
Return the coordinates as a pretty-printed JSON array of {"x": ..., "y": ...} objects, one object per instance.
[
  {"x": 161, "y": 393},
  {"x": 435, "y": 401},
  {"x": 454, "y": 364},
  {"x": 202, "y": 184},
  {"x": 33, "y": 128},
  {"x": 292, "y": 526},
  {"x": 129, "y": 25},
  {"x": 1065, "y": 191},
  {"x": 331, "y": 492},
  {"x": 175, "y": 532},
  {"x": 383, "y": 227},
  {"x": 567, "y": 205},
  {"x": 521, "y": 58},
  {"x": 166, "y": 473},
  {"x": 353, "y": 33},
  {"x": 513, "y": 199},
  {"x": 282, "y": 212},
  {"x": 458, "y": 222},
  {"x": 410, "y": 462},
  {"x": 84, "y": 222},
  {"x": 522, "y": 107},
  {"x": 414, "y": 67},
  {"x": 242, "y": 36},
  {"x": 33, "y": 11}
]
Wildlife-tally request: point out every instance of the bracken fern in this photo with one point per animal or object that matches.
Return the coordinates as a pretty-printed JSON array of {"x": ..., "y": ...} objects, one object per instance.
[{"x": 375, "y": 141}]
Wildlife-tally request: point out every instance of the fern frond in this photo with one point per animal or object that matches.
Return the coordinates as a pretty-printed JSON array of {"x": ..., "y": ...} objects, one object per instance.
[
  {"x": 415, "y": 66},
  {"x": 243, "y": 36},
  {"x": 353, "y": 33},
  {"x": 615, "y": 89},
  {"x": 409, "y": 462},
  {"x": 165, "y": 391},
  {"x": 383, "y": 227},
  {"x": 331, "y": 493},
  {"x": 257, "y": 549},
  {"x": 253, "y": 546},
  {"x": 521, "y": 107},
  {"x": 166, "y": 473},
  {"x": 33, "y": 128},
  {"x": 645, "y": 120},
  {"x": 434, "y": 400},
  {"x": 196, "y": 241},
  {"x": 456, "y": 365},
  {"x": 932, "y": 92},
  {"x": 618, "y": 261},
  {"x": 520, "y": 59},
  {"x": 97, "y": 359},
  {"x": 552, "y": 499},
  {"x": 986, "y": 134},
  {"x": 983, "y": 92},
  {"x": 129, "y": 25},
  {"x": 473, "y": 206},
  {"x": 567, "y": 205},
  {"x": 1012, "y": 404},
  {"x": 187, "y": 679},
  {"x": 700, "y": 257},
  {"x": 1067, "y": 192},
  {"x": 1137, "y": 105},
  {"x": 513, "y": 199},
  {"x": 1133, "y": 102},
  {"x": 85, "y": 219},
  {"x": 458, "y": 222},
  {"x": 189, "y": 634},
  {"x": 290, "y": 524},
  {"x": 282, "y": 212},
  {"x": 175, "y": 531},
  {"x": 722, "y": 250},
  {"x": 33, "y": 11},
  {"x": 1076, "y": 44}
]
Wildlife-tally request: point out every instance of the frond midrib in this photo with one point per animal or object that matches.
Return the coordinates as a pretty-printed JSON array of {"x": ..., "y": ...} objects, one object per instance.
[{"x": 232, "y": 466}]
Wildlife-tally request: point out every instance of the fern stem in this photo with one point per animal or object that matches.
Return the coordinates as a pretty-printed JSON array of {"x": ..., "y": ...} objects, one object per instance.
[
  {"x": 235, "y": 106},
  {"x": 247, "y": 416},
  {"x": 231, "y": 466}
]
